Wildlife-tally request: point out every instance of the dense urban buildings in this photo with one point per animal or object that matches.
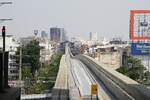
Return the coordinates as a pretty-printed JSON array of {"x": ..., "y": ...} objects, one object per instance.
[
  {"x": 46, "y": 51},
  {"x": 13, "y": 69}
]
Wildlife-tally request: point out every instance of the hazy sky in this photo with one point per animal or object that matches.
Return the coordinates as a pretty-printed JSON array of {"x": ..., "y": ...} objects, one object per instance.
[{"x": 109, "y": 18}]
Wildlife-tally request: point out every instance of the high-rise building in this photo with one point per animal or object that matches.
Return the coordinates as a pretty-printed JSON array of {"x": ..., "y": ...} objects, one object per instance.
[
  {"x": 57, "y": 34},
  {"x": 63, "y": 35},
  {"x": 44, "y": 34},
  {"x": 93, "y": 36}
]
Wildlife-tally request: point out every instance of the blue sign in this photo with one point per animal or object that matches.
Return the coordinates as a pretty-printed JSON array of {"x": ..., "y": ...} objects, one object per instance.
[{"x": 140, "y": 48}]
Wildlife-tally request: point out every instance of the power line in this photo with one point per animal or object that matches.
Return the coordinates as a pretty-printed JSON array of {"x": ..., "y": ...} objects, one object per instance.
[
  {"x": 3, "y": 3},
  {"x": 5, "y": 19}
]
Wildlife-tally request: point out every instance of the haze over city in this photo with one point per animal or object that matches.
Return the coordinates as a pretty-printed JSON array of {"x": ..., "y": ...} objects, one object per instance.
[
  {"x": 78, "y": 17},
  {"x": 75, "y": 50}
]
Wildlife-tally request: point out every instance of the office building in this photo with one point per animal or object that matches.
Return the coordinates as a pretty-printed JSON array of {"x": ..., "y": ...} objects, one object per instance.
[
  {"x": 63, "y": 35},
  {"x": 57, "y": 34}
]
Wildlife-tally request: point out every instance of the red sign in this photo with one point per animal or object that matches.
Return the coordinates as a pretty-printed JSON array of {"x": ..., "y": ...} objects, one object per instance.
[
  {"x": 3, "y": 31},
  {"x": 140, "y": 24}
]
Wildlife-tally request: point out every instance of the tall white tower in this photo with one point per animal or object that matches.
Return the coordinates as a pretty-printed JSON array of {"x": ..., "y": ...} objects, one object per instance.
[{"x": 93, "y": 36}]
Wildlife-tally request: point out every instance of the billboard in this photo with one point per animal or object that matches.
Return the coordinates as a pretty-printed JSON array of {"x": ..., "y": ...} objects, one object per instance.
[
  {"x": 140, "y": 24},
  {"x": 140, "y": 49}
]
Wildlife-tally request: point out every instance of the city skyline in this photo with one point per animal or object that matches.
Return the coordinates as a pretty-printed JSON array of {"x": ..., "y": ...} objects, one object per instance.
[
  {"x": 75, "y": 49},
  {"x": 78, "y": 17}
]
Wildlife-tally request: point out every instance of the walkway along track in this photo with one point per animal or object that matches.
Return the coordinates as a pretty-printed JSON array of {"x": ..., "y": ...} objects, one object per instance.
[{"x": 60, "y": 90}]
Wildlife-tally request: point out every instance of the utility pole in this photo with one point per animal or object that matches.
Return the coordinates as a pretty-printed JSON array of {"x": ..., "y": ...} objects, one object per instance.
[
  {"x": 4, "y": 67},
  {"x": 3, "y": 63},
  {"x": 4, "y": 70},
  {"x": 20, "y": 65}
]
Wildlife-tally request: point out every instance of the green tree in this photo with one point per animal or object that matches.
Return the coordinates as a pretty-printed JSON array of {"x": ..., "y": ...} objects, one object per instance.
[
  {"x": 46, "y": 76},
  {"x": 147, "y": 78},
  {"x": 31, "y": 55},
  {"x": 135, "y": 71},
  {"x": 26, "y": 73},
  {"x": 147, "y": 75},
  {"x": 33, "y": 51}
]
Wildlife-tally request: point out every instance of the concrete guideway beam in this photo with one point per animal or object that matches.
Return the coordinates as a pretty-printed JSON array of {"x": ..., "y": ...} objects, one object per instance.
[
  {"x": 60, "y": 90},
  {"x": 110, "y": 78}
]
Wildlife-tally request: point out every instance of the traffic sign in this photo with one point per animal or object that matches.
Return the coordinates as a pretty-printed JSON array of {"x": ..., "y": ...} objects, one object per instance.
[
  {"x": 140, "y": 49},
  {"x": 94, "y": 89}
]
